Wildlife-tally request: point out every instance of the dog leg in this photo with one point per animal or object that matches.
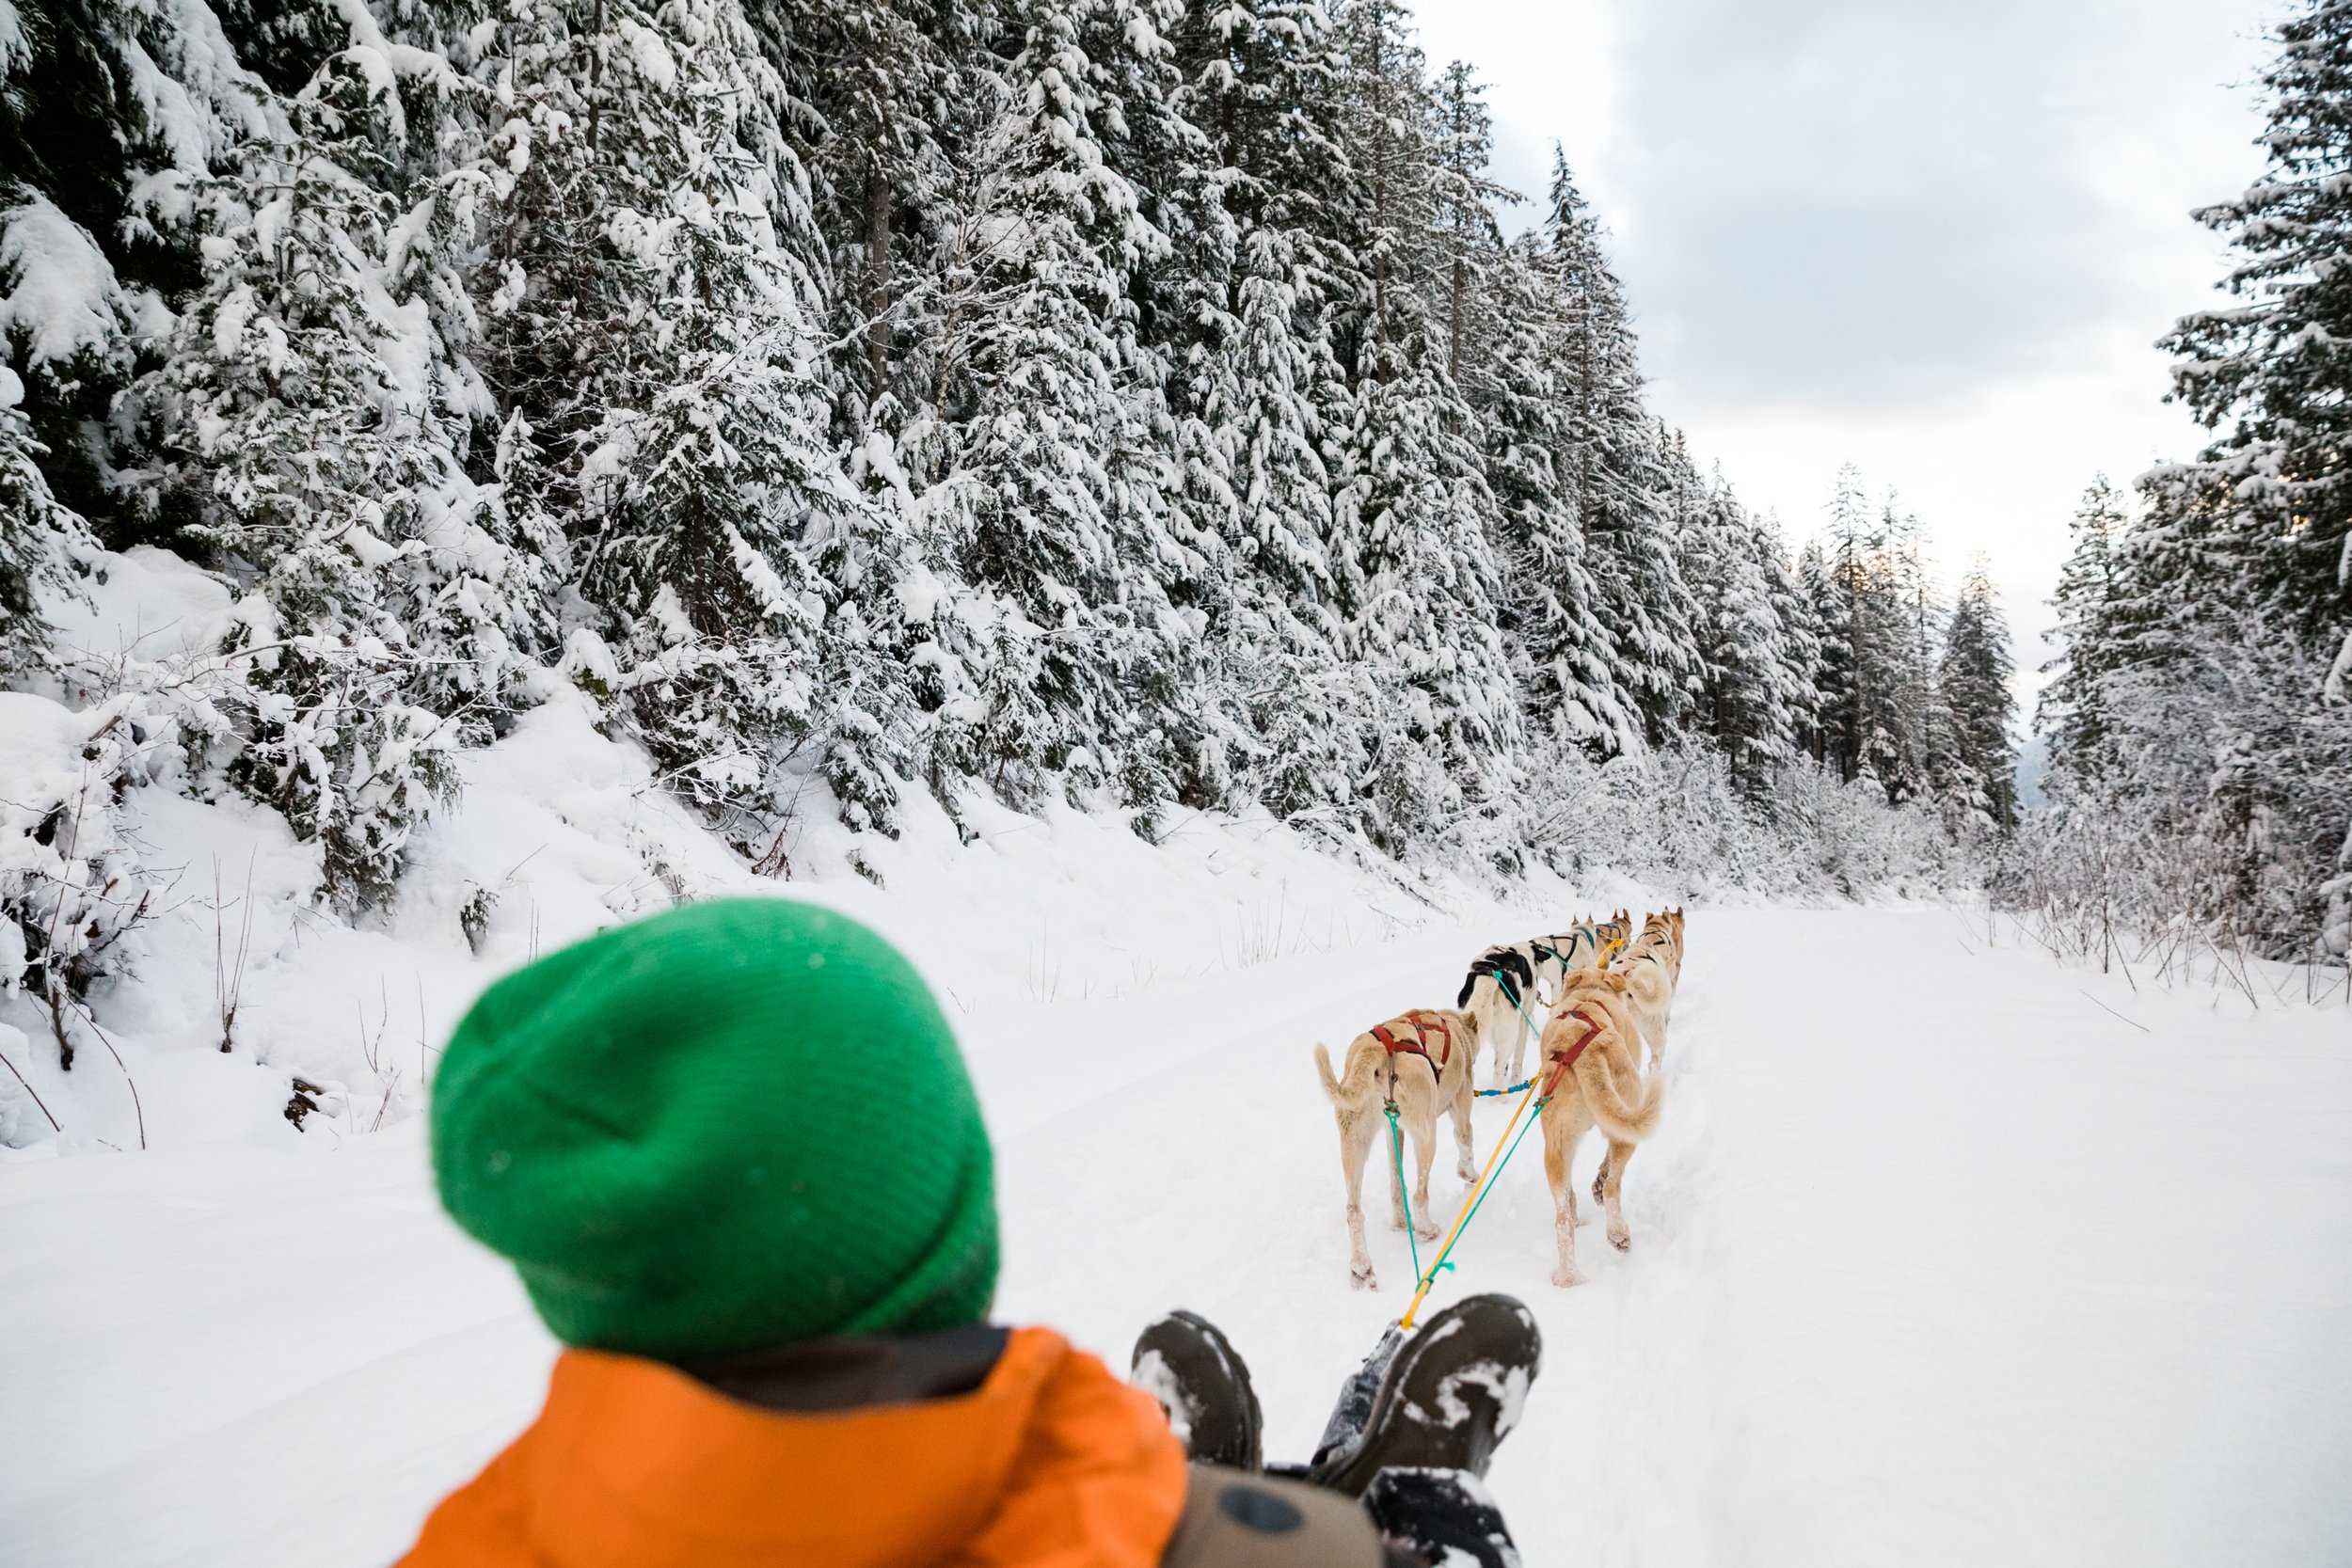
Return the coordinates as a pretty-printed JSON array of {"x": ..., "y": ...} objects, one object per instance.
[
  {"x": 1425, "y": 1156},
  {"x": 1392, "y": 1161},
  {"x": 1559, "y": 1154},
  {"x": 1613, "y": 1195},
  {"x": 1356, "y": 1142},
  {"x": 1463, "y": 1166}
]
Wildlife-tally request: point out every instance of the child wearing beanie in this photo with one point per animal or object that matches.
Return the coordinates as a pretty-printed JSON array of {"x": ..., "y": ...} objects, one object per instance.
[{"x": 734, "y": 1157}]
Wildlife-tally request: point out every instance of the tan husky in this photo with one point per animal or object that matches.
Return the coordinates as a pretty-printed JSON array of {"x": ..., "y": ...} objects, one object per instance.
[
  {"x": 1420, "y": 1062},
  {"x": 1592, "y": 1061},
  {"x": 1652, "y": 968}
]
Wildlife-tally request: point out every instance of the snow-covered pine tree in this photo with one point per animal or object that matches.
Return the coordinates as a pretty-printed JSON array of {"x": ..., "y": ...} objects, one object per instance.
[
  {"x": 108, "y": 112},
  {"x": 1562, "y": 656},
  {"x": 1413, "y": 512},
  {"x": 885, "y": 96},
  {"x": 1619, "y": 472},
  {"x": 1974, "y": 767},
  {"x": 38, "y": 538},
  {"x": 2240, "y": 577},
  {"x": 652, "y": 299},
  {"x": 1044, "y": 482},
  {"x": 1748, "y": 696},
  {"x": 2273, "y": 367},
  {"x": 2072, "y": 709},
  {"x": 310, "y": 425},
  {"x": 1834, "y": 658},
  {"x": 1257, "y": 388},
  {"x": 1801, "y": 671},
  {"x": 1881, "y": 622}
]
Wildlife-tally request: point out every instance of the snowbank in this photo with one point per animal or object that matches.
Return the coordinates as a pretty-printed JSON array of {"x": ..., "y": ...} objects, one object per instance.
[{"x": 245, "y": 1014}]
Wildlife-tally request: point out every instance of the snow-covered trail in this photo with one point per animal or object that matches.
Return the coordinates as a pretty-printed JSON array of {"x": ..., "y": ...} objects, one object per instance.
[{"x": 1936, "y": 1260}]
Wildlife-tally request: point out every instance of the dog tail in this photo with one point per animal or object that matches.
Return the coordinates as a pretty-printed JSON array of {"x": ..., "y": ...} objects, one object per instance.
[
  {"x": 1624, "y": 1123},
  {"x": 1342, "y": 1092},
  {"x": 1470, "y": 984}
]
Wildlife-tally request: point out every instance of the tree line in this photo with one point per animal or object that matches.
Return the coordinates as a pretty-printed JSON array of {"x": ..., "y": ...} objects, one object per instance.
[
  {"x": 2198, "y": 716},
  {"x": 1143, "y": 400}
]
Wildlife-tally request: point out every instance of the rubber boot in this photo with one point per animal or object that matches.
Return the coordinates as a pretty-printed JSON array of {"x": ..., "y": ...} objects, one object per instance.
[
  {"x": 1441, "y": 1516},
  {"x": 1186, "y": 1362},
  {"x": 1445, "y": 1399}
]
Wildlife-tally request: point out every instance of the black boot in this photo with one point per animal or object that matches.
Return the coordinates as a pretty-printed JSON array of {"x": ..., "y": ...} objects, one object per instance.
[
  {"x": 1444, "y": 1398},
  {"x": 1186, "y": 1363},
  {"x": 1441, "y": 1516}
]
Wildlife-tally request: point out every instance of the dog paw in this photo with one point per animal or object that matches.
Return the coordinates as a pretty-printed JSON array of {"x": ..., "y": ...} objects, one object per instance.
[
  {"x": 1426, "y": 1232},
  {"x": 1361, "y": 1279},
  {"x": 1567, "y": 1279},
  {"x": 1396, "y": 1222},
  {"x": 1465, "y": 1173},
  {"x": 1621, "y": 1240}
]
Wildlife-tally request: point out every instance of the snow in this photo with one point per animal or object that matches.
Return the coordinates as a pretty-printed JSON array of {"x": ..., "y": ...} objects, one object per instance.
[
  {"x": 1936, "y": 1260},
  {"x": 61, "y": 293}
]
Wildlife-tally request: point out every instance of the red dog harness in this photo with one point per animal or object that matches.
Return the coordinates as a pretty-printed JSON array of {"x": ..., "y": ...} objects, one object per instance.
[
  {"x": 1566, "y": 1059},
  {"x": 1423, "y": 1023}
]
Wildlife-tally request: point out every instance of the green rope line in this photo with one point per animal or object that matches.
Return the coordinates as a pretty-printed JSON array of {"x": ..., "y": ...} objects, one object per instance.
[
  {"x": 1404, "y": 1194},
  {"x": 1479, "y": 1202}
]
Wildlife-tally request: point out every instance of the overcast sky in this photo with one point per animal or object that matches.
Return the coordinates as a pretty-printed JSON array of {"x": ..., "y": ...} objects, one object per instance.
[{"x": 1937, "y": 240}]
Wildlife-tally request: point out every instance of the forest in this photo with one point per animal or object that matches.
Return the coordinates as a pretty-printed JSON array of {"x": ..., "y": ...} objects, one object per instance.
[{"x": 1150, "y": 403}]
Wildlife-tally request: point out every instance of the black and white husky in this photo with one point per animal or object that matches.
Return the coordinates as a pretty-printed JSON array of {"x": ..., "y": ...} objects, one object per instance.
[{"x": 1506, "y": 985}]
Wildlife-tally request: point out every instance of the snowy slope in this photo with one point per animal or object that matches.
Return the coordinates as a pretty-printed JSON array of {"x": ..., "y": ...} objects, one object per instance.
[{"x": 1942, "y": 1263}]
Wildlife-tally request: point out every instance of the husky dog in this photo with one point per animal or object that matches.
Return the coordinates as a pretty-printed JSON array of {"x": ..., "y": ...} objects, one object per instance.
[
  {"x": 1505, "y": 988},
  {"x": 1592, "y": 1057},
  {"x": 1652, "y": 968},
  {"x": 1614, "y": 933},
  {"x": 1420, "y": 1062}
]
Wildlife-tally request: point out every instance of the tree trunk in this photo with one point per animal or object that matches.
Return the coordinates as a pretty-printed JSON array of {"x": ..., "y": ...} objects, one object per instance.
[{"x": 878, "y": 268}]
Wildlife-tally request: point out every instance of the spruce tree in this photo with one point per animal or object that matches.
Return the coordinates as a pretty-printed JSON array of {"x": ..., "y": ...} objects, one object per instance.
[
  {"x": 2274, "y": 367},
  {"x": 2074, "y": 707},
  {"x": 1975, "y": 762}
]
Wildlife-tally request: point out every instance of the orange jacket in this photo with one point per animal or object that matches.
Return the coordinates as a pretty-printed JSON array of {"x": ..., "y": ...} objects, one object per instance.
[{"x": 1051, "y": 1462}]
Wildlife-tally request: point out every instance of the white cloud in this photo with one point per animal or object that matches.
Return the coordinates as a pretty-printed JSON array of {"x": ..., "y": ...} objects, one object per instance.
[{"x": 1936, "y": 239}]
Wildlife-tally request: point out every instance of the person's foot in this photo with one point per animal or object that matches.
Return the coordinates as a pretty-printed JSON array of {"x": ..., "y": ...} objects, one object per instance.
[
  {"x": 1442, "y": 1400},
  {"x": 1355, "y": 1403},
  {"x": 1441, "y": 1516},
  {"x": 1186, "y": 1362}
]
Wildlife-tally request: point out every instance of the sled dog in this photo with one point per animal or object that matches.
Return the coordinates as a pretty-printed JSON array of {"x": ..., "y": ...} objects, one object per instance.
[
  {"x": 1614, "y": 933},
  {"x": 1591, "y": 1045},
  {"x": 1506, "y": 985},
  {"x": 1652, "y": 968},
  {"x": 1421, "y": 1061}
]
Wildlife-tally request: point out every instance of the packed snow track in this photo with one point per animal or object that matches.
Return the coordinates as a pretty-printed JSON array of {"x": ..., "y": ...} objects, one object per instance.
[{"x": 1945, "y": 1254}]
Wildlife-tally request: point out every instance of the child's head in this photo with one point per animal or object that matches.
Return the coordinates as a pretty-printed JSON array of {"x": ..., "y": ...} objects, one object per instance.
[{"x": 731, "y": 1126}]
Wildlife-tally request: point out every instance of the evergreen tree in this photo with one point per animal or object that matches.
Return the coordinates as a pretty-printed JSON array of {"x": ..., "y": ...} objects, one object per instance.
[
  {"x": 2072, "y": 709},
  {"x": 1619, "y": 469},
  {"x": 38, "y": 538},
  {"x": 1749, "y": 680},
  {"x": 1976, "y": 761},
  {"x": 2275, "y": 367},
  {"x": 1413, "y": 512}
]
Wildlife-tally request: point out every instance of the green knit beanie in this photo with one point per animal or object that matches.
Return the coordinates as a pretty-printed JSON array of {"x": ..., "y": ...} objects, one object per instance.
[{"x": 731, "y": 1126}]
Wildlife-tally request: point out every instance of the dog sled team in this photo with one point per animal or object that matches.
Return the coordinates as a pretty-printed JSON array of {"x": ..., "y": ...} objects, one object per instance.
[{"x": 1596, "y": 997}]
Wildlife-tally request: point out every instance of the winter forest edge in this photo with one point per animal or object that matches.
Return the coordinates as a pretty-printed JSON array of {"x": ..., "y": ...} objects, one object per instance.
[{"x": 1139, "y": 404}]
